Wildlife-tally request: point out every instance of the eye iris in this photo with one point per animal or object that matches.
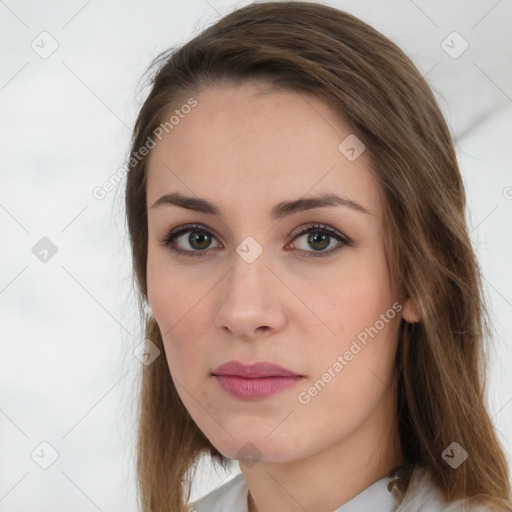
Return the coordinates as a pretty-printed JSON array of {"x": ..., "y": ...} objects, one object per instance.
[
  {"x": 202, "y": 239},
  {"x": 318, "y": 238}
]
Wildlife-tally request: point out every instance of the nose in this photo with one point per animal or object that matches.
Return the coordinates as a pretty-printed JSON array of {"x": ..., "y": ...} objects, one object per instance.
[{"x": 250, "y": 300}]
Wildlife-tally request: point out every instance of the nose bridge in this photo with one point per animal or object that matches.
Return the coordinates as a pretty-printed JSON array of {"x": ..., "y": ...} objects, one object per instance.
[
  {"x": 248, "y": 300},
  {"x": 248, "y": 276}
]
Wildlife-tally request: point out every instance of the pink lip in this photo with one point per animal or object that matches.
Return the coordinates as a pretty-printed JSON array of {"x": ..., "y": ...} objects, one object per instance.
[
  {"x": 258, "y": 380},
  {"x": 254, "y": 371}
]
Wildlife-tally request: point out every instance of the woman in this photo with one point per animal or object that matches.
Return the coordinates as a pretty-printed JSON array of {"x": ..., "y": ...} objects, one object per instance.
[{"x": 296, "y": 215}]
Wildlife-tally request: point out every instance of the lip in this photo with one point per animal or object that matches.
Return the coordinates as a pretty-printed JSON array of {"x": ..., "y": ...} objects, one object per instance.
[
  {"x": 254, "y": 381},
  {"x": 254, "y": 370}
]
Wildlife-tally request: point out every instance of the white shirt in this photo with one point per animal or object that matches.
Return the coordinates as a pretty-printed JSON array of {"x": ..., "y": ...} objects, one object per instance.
[{"x": 232, "y": 497}]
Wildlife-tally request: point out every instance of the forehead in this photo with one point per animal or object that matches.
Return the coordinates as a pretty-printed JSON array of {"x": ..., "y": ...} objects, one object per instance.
[{"x": 249, "y": 144}]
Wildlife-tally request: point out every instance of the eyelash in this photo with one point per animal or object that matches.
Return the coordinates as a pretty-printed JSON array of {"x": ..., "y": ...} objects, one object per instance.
[{"x": 168, "y": 238}]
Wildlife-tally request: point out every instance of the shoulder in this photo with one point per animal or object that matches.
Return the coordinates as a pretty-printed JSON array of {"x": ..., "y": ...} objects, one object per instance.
[
  {"x": 423, "y": 495},
  {"x": 230, "y": 496}
]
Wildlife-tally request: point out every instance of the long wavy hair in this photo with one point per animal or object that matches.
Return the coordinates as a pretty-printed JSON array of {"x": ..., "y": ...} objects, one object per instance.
[{"x": 440, "y": 361}]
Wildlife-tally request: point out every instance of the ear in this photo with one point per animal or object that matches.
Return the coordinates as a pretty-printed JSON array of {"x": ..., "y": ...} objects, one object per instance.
[{"x": 410, "y": 312}]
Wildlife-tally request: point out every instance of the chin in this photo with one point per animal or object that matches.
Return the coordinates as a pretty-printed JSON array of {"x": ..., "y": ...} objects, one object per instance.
[{"x": 250, "y": 449}]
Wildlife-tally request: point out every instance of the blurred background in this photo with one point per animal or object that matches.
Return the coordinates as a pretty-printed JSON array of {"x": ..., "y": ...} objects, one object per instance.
[{"x": 69, "y": 92}]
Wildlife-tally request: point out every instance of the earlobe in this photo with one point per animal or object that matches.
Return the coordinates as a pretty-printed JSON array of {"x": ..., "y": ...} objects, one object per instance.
[{"x": 410, "y": 312}]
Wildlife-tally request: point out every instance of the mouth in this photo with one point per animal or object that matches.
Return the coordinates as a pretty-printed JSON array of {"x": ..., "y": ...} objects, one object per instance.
[{"x": 255, "y": 381}]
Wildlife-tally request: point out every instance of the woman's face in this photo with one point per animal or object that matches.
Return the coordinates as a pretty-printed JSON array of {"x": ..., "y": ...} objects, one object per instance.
[{"x": 249, "y": 288}]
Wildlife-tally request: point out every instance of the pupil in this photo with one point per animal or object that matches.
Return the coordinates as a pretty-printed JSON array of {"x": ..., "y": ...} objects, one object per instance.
[
  {"x": 318, "y": 239},
  {"x": 202, "y": 240}
]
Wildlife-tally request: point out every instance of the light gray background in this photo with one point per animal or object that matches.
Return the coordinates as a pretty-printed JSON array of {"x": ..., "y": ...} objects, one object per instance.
[{"x": 68, "y": 372}]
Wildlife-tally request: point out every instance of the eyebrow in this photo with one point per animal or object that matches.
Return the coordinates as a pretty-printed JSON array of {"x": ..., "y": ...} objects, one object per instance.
[{"x": 279, "y": 211}]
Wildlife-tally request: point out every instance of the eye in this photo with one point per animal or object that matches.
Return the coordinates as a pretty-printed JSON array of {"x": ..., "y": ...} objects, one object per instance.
[
  {"x": 198, "y": 238},
  {"x": 319, "y": 238}
]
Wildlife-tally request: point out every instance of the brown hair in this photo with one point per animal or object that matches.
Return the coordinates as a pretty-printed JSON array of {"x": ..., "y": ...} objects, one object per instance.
[{"x": 440, "y": 361}]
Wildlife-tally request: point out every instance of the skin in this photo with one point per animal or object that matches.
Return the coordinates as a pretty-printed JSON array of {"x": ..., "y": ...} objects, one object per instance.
[{"x": 245, "y": 152}]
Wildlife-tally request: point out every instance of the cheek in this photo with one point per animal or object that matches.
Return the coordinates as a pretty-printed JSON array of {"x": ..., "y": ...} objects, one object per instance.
[
  {"x": 358, "y": 308},
  {"x": 180, "y": 306},
  {"x": 353, "y": 372},
  {"x": 356, "y": 298},
  {"x": 172, "y": 294}
]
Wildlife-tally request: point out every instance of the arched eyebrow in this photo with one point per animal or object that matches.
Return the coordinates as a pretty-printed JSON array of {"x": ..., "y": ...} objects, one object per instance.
[{"x": 280, "y": 210}]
